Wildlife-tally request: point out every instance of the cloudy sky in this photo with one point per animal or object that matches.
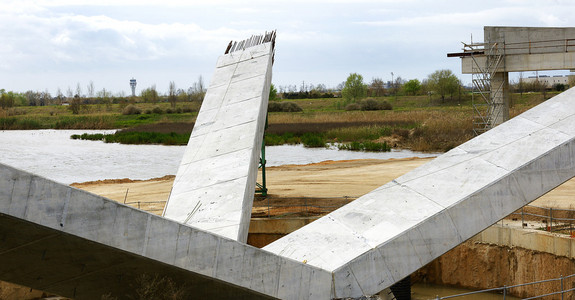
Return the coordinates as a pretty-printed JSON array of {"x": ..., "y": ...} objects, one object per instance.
[{"x": 51, "y": 44}]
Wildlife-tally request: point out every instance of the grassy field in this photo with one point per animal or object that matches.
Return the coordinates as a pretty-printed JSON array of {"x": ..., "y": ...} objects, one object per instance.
[{"x": 416, "y": 122}]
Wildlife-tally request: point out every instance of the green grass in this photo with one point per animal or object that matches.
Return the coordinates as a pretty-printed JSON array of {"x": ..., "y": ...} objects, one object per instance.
[
  {"x": 365, "y": 146},
  {"x": 137, "y": 138}
]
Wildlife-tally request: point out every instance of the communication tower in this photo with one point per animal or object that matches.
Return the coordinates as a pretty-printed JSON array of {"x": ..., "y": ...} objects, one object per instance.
[{"x": 133, "y": 86}]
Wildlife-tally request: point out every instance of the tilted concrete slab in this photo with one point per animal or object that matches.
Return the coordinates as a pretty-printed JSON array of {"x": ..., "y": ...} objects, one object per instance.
[
  {"x": 67, "y": 241},
  {"x": 215, "y": 183},
  {"x": 391, "y": 232}
]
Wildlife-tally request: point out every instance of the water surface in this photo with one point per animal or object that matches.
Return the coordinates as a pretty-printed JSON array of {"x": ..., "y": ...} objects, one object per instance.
[{"x": 52, "y": 154}]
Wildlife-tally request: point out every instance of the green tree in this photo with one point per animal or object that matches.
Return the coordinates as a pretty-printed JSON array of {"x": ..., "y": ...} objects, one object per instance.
[
  {"x": 7, "y": 99},
  {"x": 150, "y": 94},
  {"x": 412, "y": 87},
  {"x": 443, "y": 82},
  {"x": 354, "y": 88},
  {"x": 273, "y": 92},
  {"x": 75, "y": 105}
]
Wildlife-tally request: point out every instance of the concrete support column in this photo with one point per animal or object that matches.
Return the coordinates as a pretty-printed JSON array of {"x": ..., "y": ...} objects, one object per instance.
[{"x": 500, "y": 98}]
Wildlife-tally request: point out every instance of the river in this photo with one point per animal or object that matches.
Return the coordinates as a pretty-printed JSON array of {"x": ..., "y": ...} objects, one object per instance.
[{"x": 54, "y": 155}]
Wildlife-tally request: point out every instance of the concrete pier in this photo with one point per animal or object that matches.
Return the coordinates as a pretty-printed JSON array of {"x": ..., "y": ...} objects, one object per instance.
[{"x": 521, "y": 49}]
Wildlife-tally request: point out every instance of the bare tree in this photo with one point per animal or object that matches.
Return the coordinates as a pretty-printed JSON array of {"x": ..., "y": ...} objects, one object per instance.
[
  {"x": 78, "y": 90},
  {"x": 59, "y": 96},
  {"x": 172, "y": 94},
  {"x": 91, "y": 89},
  {"x": 198, "y": 90},
  {"x": 376, "y": 87}
]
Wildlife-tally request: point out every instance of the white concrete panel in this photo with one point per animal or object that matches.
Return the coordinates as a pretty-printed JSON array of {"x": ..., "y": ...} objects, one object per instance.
[
  {"x": 308, "y": 246},
  {"x": 370, "y": 272},
  {"x": 299, "y": 281},
  {"x": 477, "y": 173},
  {"x": 211, "y": 190}
]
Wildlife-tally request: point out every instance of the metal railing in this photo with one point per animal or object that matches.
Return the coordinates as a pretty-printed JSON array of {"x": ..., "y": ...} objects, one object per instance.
[
  {"x": 552, "y": 219},
  {"x": 505, "y": 291}
]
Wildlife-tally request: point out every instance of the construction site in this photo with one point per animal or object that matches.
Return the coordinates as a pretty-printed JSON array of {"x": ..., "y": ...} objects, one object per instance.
[{"x": 493, "y": 213}]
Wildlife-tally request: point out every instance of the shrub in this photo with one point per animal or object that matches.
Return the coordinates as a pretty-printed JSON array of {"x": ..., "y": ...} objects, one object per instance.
[
  {"x": 157, "y": 110},
  {"x": 313, "y": 140},
  {"x": 16, "y": 111},
  {"x": 372, "y": 104},
  {"x": 365, "y": 146},
  {"x": 169, "y": 111},
  {"x": 384, "y": 105},
  {"x": 352, "y": 106},
  {"x": 283, "y": 107},
  {"x": 131, "y": 110}
]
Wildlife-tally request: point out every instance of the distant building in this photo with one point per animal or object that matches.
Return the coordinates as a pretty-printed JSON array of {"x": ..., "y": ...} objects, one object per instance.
[
  {"x": 548, "y": 81},
  {"x": 133, "y": 86}
]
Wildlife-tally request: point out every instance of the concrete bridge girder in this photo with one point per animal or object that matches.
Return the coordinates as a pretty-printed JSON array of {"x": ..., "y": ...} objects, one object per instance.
[{"x": 359, "y": 249}]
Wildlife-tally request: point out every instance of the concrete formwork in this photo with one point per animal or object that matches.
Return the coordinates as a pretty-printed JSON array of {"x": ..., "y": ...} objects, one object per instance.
[{"x": 215, "y": 183}]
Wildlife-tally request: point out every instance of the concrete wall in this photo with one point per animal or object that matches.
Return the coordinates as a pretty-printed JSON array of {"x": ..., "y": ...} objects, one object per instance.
[{"x": 536, "y": 240}]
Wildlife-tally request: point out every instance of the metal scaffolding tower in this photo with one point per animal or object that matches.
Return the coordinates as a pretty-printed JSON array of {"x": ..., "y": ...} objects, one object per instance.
[{"x": 485, "y": 92}]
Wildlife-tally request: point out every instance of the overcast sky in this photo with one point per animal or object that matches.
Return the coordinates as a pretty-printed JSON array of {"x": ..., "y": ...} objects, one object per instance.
[{"x": 47, "y": 44}]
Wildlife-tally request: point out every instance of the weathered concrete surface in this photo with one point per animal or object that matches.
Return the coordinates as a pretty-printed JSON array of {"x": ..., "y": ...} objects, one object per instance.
[
  {"x": 531, "y": 239},
  {"x": 75, "y": 244},
  {"x": 389, "y": 233},
  {"x": 214, "y": 186}
]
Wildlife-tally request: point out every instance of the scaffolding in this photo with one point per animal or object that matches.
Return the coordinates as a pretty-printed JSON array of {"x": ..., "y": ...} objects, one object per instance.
[{"x": 486, "y": 109}]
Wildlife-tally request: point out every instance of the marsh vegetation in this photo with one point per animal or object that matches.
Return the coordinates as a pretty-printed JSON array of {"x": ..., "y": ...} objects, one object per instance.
[{"x": 419, "y": 123}]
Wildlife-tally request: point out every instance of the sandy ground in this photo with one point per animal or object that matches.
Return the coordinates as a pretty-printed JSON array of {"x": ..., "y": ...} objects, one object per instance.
[{"x": 321, "y": 180}]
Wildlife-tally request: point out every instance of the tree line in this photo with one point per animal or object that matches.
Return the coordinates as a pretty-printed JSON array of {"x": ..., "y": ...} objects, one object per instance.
[{"x": 76, "y": 98}]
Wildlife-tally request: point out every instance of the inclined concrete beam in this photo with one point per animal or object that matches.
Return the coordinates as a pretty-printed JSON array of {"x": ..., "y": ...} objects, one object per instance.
[
  {"x": 391, "y": 232},
  {"x": 67, "y": 241},
  {"x": 215, "y": 183}
]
